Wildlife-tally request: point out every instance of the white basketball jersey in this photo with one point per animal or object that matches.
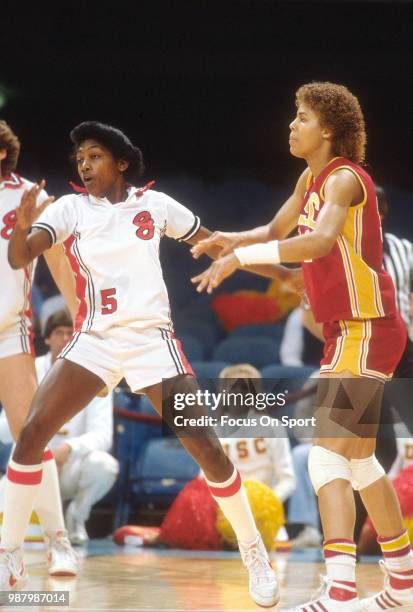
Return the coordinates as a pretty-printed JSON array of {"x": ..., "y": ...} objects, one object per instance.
[
  {"x": 15, "y": 291},
  {"x": 114, "y": 252}
]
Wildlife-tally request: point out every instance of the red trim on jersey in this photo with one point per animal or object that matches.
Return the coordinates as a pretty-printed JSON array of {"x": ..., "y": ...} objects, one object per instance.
[
  {"x": 28, "y": 312},
  {"x": 13, "y": 181},
  {"x": 77, "y": 188},
  {"x": 48, "y": 455},
  {"x": 141, "y": 191},
  {"x": 25, "y": 478},
  {"x": 227, "y": 491},
  {"x": 80, "y": 283}
]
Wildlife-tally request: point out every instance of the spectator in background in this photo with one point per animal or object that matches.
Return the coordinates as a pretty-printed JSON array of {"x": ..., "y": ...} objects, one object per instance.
[
  {"x": 298, "y": 345},
  {"x": 398, "y": 261},
  {"x": 267, "y": 460},
  {"x": 86, "y": 469}
]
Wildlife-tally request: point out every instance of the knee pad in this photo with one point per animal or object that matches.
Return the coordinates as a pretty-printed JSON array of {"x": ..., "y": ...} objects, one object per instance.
[
  {"x": 324, "y": 466},
  {"x": 364, "y": 472}
]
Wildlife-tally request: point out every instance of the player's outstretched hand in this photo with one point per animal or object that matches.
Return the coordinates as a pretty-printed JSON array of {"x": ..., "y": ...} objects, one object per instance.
[
  {"x": 28, "y": 211},
  {"x": 213, "y": 276},
  {"x": 227, "y": 240}
]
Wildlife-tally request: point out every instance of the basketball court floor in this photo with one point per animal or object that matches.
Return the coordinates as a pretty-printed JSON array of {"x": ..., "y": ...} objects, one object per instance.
[{"x": 132, "y": 579}]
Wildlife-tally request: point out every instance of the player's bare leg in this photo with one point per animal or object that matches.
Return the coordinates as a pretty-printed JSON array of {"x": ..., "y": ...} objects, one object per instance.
[
  {"x": 337, "y": 466},
  {"x": 53, "y": 405},
  {"x": 16, "y": 399},
  {"x": 225, "y": 486}
]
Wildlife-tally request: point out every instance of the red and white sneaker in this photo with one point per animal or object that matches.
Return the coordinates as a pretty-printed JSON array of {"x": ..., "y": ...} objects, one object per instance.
[
  {"x": 61, "y": 558},
  {"x": 263, "y": 583},
  {"x": 12, "y": 570},
  {"x": 389, "y": 598},
  {"x": 323, "y": 602}
]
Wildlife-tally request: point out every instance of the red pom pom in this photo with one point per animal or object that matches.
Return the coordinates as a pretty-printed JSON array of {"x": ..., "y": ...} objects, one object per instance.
[
  {"x": 403, "y": 485},
  {"x": 190, "y": 521}
]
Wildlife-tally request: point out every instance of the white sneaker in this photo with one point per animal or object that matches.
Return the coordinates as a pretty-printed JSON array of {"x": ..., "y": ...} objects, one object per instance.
[
  {"x": 309, "y": 536},
  {"x": 75, "y": 527},
  {"x": 61, "y": 558},
  {"x": 322, "y": 602},
  {"x": 12, "y": 571},
  {"x": 263, "y": 583},
  {"x": 389, "y": 598}
]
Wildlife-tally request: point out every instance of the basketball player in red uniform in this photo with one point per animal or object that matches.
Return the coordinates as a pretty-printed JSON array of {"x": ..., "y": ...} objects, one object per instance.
[{"x": 340, "y": 249}]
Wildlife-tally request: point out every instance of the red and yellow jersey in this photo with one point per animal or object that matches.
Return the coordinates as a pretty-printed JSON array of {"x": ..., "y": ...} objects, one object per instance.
[{"x": 350, "y": 282}]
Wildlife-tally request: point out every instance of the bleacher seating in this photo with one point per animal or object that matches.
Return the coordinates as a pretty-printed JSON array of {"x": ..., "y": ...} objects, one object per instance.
[
  {"x": 162, "y": 470},
  {"x": 206, "y": 332},
  {"x": 258, "y": 351},
  {"x": 207, "y": 372},
  {"x": 193, "y": 348},
  {"x": 273, "y": 331}
]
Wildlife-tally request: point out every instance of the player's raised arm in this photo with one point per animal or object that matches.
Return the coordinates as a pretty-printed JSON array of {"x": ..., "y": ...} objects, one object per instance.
[
  {"x": 22, "y": 247},
  {"x": 279, "y": 227},
  {"x": 342, "y": 189}
]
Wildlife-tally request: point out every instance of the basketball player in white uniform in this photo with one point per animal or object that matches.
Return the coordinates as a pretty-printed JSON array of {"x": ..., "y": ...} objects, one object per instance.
[
  {"x": 17, "y": 372},
  {"x": 112, "y": 235}
]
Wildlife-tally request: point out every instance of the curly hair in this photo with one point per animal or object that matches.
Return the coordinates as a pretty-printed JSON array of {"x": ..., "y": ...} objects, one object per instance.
[
  {"x": 10, "y": 142},
  {"x": 339, "y": 110},
  {"x": 115, "y": 141}
]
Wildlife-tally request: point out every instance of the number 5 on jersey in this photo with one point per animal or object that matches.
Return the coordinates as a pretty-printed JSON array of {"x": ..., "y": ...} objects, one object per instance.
[{"x": 109, "y": 302}]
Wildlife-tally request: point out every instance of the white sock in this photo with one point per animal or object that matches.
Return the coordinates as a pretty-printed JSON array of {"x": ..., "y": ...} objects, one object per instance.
[
  {"x": 48, "y": 503},
  {"x": 22, "y": 485},
  {"x": 233, "y": 501}
]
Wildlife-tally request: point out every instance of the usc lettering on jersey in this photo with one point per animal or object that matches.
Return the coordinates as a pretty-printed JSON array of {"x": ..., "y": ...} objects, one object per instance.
[
  {"x": 267, "y": 460},
  {"x": 114, "y": 253},
  {"x": 350, "y": 282},
  {"x": 15, "y": 296}
]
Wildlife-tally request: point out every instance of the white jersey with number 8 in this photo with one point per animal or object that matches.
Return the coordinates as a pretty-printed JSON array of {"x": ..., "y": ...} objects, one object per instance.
[
  {"x": 114, "y": 252},
  {"x": 15, "y": 293}
]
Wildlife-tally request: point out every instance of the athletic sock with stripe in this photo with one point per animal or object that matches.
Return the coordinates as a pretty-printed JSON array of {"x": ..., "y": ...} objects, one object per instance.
[
  {"x": 233, "y": 501},
  {"x": 340, "y": 558},
  {"x": 398, "y": 558},
  {"x": 22, "y": 485}
]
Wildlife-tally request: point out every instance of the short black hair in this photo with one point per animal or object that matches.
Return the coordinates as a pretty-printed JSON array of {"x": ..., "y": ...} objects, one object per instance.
[
  {"x": 115, "y": 141},
  {"x": 60, "y": 318}
]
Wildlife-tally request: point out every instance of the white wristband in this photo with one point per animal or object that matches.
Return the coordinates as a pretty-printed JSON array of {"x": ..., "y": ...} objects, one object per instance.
[{"x": 265, "y": 253}]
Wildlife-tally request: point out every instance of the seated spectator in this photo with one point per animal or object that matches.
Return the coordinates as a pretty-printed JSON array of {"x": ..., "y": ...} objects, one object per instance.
[
  {"x": 299, "y": 346},
  {"x": 86, "y": 469},
  {"x": 266, "y": 460}
]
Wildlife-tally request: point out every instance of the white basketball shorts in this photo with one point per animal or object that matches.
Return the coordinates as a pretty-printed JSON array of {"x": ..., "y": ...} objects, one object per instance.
[
  {"x": 142, "y": 357},
  {"x": 13, "y": 342}
]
